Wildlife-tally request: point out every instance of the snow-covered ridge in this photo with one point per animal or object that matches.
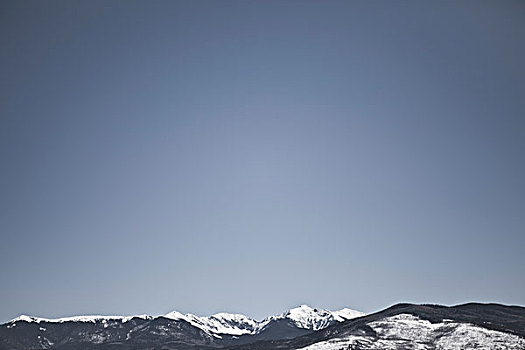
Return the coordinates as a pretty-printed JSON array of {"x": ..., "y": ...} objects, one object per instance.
[
  {"x": 90, "y": 318},
  {"x": 235, "y": 324},
  {"x": 405, "y": 331},
  {"x": 225, "y": 323},
  {"x": 221, "y": 323}
]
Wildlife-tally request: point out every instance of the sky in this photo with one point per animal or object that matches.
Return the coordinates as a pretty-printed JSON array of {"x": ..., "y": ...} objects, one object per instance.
[{"x": 252, "y": 156}]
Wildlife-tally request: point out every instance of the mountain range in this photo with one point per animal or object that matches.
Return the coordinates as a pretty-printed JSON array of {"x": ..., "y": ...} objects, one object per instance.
[{"x": 402, "y": 326}]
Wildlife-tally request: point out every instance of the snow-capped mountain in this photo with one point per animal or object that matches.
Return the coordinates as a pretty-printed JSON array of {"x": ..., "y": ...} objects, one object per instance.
[
  {"x": 303, "y": 317},
  {"x": 218, "y": 330},
  {"x": 403, "y": 326},
  {"x": 316, "y": 319}
]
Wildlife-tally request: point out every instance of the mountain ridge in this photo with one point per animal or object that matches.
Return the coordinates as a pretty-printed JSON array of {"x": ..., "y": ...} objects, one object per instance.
[
  {"x": 186, "y": 330},
  {"x": 303, "y": 316},
  {"x": 401, "y": 326}
]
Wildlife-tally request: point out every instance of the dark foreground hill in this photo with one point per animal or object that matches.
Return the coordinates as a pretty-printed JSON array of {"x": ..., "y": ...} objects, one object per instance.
[{"x": 408, "y": 326}]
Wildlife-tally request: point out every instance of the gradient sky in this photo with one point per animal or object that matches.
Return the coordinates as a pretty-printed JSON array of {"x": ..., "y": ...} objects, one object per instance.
[{"x": 251, "y": 156}]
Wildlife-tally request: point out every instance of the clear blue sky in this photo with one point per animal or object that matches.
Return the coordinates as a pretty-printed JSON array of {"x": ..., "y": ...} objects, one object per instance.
[{"x": 250, "y": 156}]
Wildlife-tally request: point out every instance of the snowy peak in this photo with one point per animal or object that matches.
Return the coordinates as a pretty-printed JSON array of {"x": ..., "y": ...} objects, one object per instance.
[
  {"x": 309, "y": 318},
  {"x": 305, "y": 311},
  {"x": 314, "y": 319}
]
